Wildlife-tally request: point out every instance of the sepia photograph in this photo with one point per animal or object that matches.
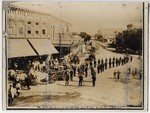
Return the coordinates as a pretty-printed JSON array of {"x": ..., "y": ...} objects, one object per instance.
[{"x": 74, "y": 55}]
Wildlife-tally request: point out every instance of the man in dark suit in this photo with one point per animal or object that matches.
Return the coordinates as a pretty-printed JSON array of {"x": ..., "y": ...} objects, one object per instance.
[{"x": 80, "y": 80}]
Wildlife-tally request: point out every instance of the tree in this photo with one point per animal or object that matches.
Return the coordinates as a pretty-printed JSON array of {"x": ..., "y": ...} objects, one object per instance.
[
  {"x": 129, "y": 40},
  {"x": 119, "y": 40},
  {"x": 74, "y": 33},
  {"x": 98, "y": 37},
  {"x": 85, "y": 36}
]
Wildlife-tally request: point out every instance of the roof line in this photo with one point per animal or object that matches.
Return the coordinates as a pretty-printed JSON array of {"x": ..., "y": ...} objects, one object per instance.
[{"x": 13, "y": 5}]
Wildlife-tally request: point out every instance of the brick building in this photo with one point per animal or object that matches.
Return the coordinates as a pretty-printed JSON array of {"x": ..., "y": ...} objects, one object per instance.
[{"x": 42, "y": 31}]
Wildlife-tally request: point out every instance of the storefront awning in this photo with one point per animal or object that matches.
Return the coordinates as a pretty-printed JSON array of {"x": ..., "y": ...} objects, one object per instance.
[
  {"x": 43, "y": 46},
  {"x": 19, "y": 48}
]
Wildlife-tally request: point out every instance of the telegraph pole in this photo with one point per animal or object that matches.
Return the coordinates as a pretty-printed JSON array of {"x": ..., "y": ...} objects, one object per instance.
[
  {"x": 61, "y": 33},
  {"x": 60, "y": 45}
]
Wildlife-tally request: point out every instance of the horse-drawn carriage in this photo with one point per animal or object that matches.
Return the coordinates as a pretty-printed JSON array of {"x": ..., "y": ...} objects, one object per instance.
[
  {"x": 36, "y": 77},
  {"x": 20, "y": 76},
  {"x": 57, "y": 74}
]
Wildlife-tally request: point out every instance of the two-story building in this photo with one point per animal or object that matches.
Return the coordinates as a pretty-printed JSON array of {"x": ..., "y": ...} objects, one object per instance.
[
  {"x": 30, "y": 33},
  {"x": 38, "y": 28}
]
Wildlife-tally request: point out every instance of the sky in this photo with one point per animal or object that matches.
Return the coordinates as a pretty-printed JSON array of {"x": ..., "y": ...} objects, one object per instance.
[{"x": 91, "y": 16}]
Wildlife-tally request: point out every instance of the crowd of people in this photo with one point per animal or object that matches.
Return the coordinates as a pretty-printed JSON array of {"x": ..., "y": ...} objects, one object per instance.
[
  {"x": 90, "y": 68},
  {"x": 35, "y": 69},
  {"x": 111, "y": 63},
  {"x": 134, "y": 72},
  {"x": 71, "y": 70},
  {"x": 80, "y": 71},
  {"x": 21, "y": 79}
]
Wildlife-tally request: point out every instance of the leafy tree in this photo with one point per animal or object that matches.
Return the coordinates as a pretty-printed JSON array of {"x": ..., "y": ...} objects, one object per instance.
[
  {"x": 119, "y": 40},
  {"x": 74, "y": 33},
  {"x": 129, "y": 40},
  {"x": 85, "y": 36},
  {"x": 98, "y": 37}
]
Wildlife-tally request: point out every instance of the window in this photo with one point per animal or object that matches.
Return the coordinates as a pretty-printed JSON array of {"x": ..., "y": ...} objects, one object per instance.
[
  {"x": 29, "y": 22},
  {"x": 37, "y": 23},
  {"x": 43, "y": 31},
  {"x": 20, "y": 30},
  {"x": 36, "y": 32},
  {"x": 29, "y": 31}
]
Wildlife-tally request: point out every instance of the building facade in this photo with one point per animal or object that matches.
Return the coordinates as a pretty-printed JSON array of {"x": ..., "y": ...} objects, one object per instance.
[
  {"x": 32, "y": 25},
  {"x": 25, "y": 23}
]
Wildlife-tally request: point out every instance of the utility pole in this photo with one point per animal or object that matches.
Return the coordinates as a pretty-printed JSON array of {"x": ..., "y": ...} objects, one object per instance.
[
  {"x": 60, "y": 53},
  {"x": 61, "y": 33}
]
